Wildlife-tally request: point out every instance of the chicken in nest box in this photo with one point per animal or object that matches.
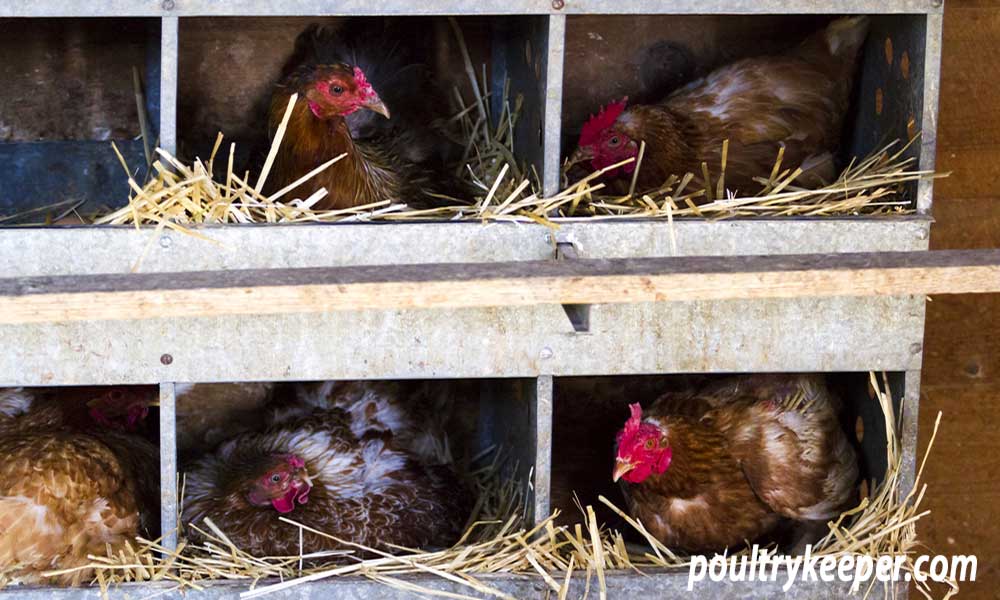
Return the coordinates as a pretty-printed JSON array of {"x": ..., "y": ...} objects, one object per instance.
[
  {"x": 796, "y": 100},
  {"x": 348, "y": 459},
  {"x": 75, "y": 480},
  {"x": 732, "y": 461},
  {"x": 363, "y": 92}
]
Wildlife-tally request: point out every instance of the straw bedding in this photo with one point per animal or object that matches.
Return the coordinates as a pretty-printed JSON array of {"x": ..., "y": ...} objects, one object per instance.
[{"x": 499, "y": 541}]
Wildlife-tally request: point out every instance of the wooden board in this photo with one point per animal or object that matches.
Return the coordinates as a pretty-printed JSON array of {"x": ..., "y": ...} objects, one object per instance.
[
  {"x": 961, "y": 375},
  {"x": 521, "y": 283}
]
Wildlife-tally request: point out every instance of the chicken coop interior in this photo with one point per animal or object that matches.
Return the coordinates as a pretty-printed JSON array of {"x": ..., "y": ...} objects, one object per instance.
[
  {"x": 546, "y": 385},
  {"x": 68, "y": 91}
]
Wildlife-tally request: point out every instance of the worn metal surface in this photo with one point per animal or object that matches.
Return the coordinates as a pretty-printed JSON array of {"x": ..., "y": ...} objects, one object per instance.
[
  {"x": 168, "y": 465},
  {"x": 38, "y": 174},
  {"x": 520, "y": 54},
  {"x": 81, "y": 250},
  {"x": 620, "y": 584},
  {"x": 910, "y": 413},
  {"x": 543, "y": 446},
  {"x": 929, "y": 117},
  {"x": 56, "y": 8},
  {"x": 168, "y": 83},
  {"x": 828, "y": 334},
  {"x": 890, "y": 87},
  {"x": 507, "y": 422},
  {"x": 554, "y": 104}
]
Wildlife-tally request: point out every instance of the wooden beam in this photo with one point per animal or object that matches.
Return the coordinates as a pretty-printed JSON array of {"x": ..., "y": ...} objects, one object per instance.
[{"x": 278, "y": 291}]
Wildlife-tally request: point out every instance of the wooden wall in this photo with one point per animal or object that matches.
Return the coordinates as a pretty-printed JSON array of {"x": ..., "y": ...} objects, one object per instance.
[{"x": 962, "y": 358}]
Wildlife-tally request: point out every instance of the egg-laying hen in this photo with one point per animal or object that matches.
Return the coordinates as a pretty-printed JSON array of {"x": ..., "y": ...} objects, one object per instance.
[
  {"x": 324, "y": 466},
  {"x": 209, "y": 413},
  {"x": 74, "y": 479},
  {"x": 421, "y": 416},
  {"x": 713, "y": 469},
  {"x": 796, "y": 100},
  {"x": 362, "y": 93}
]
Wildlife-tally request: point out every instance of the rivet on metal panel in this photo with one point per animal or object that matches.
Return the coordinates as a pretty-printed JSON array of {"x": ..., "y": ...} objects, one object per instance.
[
  {"x": 166, "y": 359},
  {"x": 922, "y": 234},
  {"x": 546, "y": 353},
  {"x": 558, "y": 4},
  {"x": 168, "y": 5},
  {"x": 916, "y": 347},
  {"x": 165, "y": 241}
]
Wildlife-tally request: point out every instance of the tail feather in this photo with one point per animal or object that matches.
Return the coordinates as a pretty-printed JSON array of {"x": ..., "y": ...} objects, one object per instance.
[{"x": 844, "y": 37}]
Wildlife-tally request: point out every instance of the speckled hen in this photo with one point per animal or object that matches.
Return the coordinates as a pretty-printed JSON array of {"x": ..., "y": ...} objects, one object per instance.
[{"x": 356, "y": 485}]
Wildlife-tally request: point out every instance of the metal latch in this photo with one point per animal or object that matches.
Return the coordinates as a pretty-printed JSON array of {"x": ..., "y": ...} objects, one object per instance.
[{"x": 579, "y": 314}]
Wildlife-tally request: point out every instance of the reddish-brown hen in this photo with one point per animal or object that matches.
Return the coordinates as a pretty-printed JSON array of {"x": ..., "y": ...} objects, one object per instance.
[
  {"x": 361, "y": 95},
  {"x": 796, "y": 100},
  {"x": 723, "y": 466},
  {"x": 312, "y": 467},
  {"x": 73, "y": 480}
]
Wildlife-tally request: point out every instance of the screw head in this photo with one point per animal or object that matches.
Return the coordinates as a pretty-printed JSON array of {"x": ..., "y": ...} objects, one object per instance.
[
  {"x": 546, "y": 353},
  {"x": 558, "y": 4},
  {"x": 916, "y": 348},
  {"x": 166, "y": 359},
  {"x": 169, "y": 4},
  {"x": 165, "y": 241}
]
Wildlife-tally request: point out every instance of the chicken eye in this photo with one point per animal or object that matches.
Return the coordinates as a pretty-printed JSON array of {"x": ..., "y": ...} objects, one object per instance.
[
  {"x": 650, "y": 444},
  {"x": 336, "y": 90},
  {"x": 614, "y": 141},
  {"x": 275, "y": 478}
]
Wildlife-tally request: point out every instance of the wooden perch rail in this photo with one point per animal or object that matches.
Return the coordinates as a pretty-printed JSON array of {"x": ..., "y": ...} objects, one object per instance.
[{"x": 583, "y": 281}]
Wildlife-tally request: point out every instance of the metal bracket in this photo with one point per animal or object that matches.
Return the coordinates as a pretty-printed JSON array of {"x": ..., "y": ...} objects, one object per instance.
[{"x": 579, "y": 314}]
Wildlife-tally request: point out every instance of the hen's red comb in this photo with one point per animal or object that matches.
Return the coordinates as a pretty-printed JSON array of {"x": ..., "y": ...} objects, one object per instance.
[
  {"x": 636, "y": 417},
  {"x": 592, "y": 129}
]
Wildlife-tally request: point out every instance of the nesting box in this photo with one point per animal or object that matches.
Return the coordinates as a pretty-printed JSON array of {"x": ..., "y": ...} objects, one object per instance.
[{"x": 203, "y": 60}]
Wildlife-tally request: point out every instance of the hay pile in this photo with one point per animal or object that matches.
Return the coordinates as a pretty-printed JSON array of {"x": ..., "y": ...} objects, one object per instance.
[
  {"x": 180, "y": 195},
  {"x": 497, "y": 541}
]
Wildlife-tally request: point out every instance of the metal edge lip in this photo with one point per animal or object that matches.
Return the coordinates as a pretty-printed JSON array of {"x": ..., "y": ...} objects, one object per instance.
[{"x": 208, "y": 8}]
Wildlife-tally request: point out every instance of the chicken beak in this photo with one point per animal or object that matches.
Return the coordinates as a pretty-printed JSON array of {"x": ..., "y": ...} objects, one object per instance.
[
  {"x": 621, "y": 468},
  {"x": 581, "y": 154},
  {"x": 376, "y": 105}
]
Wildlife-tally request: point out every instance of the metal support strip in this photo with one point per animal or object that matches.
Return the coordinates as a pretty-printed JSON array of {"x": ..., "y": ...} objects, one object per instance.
[
  {"x": 543, "y": 447},
  {"x": 928, "y": 126},
  {"x": 168, "y": 83},
  {"x": 553, "y": 104},
  {"x": 168, "y": 466},
  {"x": 909, "y": 406}
]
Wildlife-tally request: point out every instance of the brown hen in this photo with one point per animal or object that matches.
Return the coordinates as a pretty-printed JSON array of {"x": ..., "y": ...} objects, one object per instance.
[
  {"x": 726, "y": 465},
  {"x": 362, "y": 94},
  {"x": 73, "y": 480},
  {"x": 796, "y": 100}
]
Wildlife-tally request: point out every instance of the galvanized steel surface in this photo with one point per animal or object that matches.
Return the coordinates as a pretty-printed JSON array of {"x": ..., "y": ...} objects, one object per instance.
[
  {"x": 827, "y": 334},
  {"x": 90, "y": 250},
  {"x": 189, "y": 8},
  {"x": 620, "y": 584}
]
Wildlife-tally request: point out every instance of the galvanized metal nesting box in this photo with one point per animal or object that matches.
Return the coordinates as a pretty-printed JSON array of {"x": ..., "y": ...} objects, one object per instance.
[{"x": 201, "y": 56}]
